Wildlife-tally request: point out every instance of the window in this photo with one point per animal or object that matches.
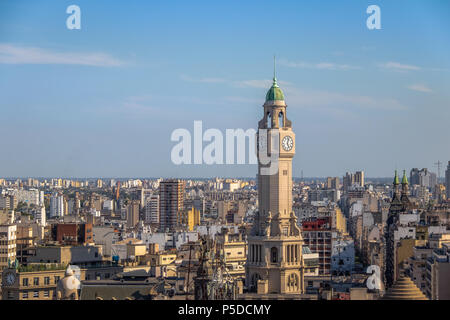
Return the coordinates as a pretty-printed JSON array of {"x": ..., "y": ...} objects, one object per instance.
[
  {"x": 46, "y": 293},
  {"x": 35, "y": 294},
  {"x": 47, "y": 280},
  {"x": 36, "y": 281},
  {"x": 57, "y": 279},
  {"x": 274, "y": 255},
  {"x": 25, "y": 295},
  {"x": 25, "y": 282}
]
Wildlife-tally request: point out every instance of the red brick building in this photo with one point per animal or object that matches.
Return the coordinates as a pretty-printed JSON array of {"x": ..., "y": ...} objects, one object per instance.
[{"x": 72, "y": 233}]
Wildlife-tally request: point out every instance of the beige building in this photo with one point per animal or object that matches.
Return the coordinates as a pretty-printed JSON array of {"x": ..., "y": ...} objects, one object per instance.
[
  {"x": 438, "y": 274},
  {"x": 66, "y": 254},
  {"x": 39, "y": 281},
  {"x": 233, "y": 248},
  {"x": 189, "y": 218},
  {"x": 274, "y": 262},
  {"x": 7, "y": 245}
]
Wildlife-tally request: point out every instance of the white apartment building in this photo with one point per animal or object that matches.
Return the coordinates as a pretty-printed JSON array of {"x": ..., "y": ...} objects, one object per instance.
[
  {"x": 56, "y": 206},
  {"x": 152, "y": 209}
]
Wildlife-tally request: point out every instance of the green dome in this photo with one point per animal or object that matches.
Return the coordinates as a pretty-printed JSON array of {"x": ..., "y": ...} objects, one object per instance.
[{"x": 274, "y": 92}]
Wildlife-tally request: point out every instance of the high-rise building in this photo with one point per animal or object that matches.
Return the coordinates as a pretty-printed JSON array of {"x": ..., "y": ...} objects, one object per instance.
[
  {"x": 190, "y": 218},
  {"x": 99, "y": 183},
  {"x": 275, "y": 241},
  {"x": 171, "y": 202},
  {"x": 359, "y": 178},
  {"x": 151, "y": 210},
  {"x": 333, "y": 183},
  {"x": 133, "y": 213},
  {"x": 145, "y": 195},
  {"x": 447, "y": 180},
  {"x": 423, "y": 178},
  {"x": 57, "y": 206},
  {"x": 41, "y": 216},
  {"x": 351, "y": 179},
  {"x": 317, "y": 234}
]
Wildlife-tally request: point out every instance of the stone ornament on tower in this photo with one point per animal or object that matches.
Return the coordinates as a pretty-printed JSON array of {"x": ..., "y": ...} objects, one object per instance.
[{"x": 67, "y": 287}]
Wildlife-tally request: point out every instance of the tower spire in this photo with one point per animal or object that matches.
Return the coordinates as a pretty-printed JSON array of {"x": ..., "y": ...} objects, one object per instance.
[
  {"x": 405, "y": 179},
  {"x": 274, "y": 68},
  {"x": 275, "y": 84},
  {"x": 396, "y": 181}
]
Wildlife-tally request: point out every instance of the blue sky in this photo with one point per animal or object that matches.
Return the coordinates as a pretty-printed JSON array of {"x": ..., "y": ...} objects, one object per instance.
[{"x": 104, "y": 100}]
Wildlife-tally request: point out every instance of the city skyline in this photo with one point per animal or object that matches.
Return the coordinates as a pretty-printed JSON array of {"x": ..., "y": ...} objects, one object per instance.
[{"x": 102, "y": 101}]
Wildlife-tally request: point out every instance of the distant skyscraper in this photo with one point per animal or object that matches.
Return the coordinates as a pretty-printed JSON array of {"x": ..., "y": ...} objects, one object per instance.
[
  {"x": 359, "y": 178},
  {"x": 423, "y": 178},
  {"x": 41, "y": 216},
  {"x": 133, "y": 213},
  {"x": 333, "y": 183},
  {"x": 152, "y": 210},
  {"x": 145, "y": 195},
  {"x": 99, "y": 184},
  {"x": 447, "y": 180},
  {"x": 57, "y": 206},
  {"x": 171, "y": 202},
  {"x": 351, "y": 179}
]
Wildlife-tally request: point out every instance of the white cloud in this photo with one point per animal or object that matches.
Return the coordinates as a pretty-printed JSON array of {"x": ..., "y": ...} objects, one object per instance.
[
  {"x": 318, "y": 66},
  {"x": 420, "y": 88},
  {"x": 399, "y": 66},
  {"x": 13, "y": 54}
]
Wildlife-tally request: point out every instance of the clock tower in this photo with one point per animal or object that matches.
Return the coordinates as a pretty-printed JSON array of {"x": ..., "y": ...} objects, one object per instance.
[{"x": 274, "y": 262}]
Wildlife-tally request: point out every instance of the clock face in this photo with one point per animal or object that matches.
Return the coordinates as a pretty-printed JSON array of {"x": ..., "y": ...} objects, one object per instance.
[
  {"x": 287, "y": 143},
  {"x": 10, "y": 278}
]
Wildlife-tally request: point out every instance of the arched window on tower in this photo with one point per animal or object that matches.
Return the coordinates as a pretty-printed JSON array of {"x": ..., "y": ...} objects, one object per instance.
[
  {"x": 269, "y": 120},
  {"x": 281, "y": 119},
  {"x": 274, "y": 255}
]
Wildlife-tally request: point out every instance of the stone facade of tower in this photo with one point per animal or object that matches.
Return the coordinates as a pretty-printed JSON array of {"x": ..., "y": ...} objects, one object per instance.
[
  {"x": 400, "y": 204},
  {"x": 274, "y": 263}
]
